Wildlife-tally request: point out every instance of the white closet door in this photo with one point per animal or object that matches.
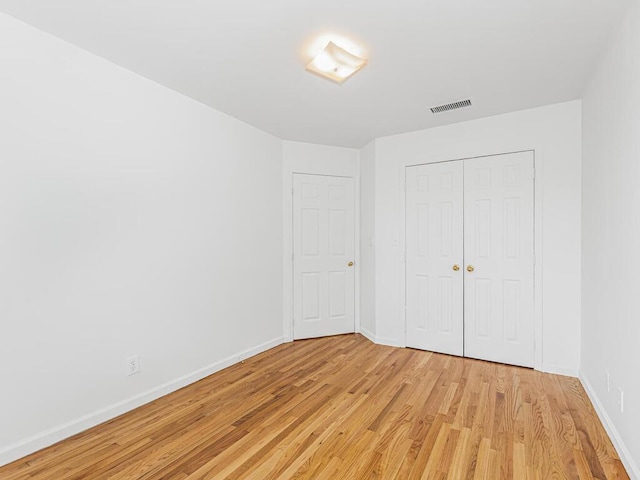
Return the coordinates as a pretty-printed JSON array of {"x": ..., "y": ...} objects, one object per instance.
[
  {"x": 498, "y": 249},
  {"x": 323, "y": 256},
  {"x": 434, "y": 236}
]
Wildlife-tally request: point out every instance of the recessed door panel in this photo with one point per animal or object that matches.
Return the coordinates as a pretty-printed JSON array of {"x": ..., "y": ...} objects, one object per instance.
[
  {"x": 337, "y": 300},
  {"x": 310, "y": 231},
  {"x": 310, "y": 296},
  {"x": 323, "y": 245},
  {"x": 482, "y": 294},
  {"x": 337, "y": 232},
  {"x": 446, "y": 294},
  {"x": 422, "y": 301}
]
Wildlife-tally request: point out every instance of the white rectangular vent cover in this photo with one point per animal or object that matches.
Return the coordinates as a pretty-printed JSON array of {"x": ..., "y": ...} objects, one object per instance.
[{"x": 451, "y": 106}]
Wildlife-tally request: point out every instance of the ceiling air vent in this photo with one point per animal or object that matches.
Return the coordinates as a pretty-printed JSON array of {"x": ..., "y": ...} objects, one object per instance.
[{"x": 451, "y": 106}]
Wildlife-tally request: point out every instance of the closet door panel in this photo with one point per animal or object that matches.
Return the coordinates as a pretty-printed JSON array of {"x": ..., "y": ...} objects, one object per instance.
[
  {"x": 434, "y": 238},
  {"x": 499, "y": 258}
]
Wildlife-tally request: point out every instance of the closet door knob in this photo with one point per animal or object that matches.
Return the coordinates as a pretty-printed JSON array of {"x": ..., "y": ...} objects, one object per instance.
[
  {"x": 470, "y": 268},
  {"x": 456, "y": 268}
]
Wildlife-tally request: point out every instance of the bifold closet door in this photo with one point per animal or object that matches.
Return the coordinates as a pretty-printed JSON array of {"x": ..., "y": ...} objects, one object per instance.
[
  {"x": 499, "y": 258},
  {"x": 434, "y": 249},
  {"x": 470, "y": 258}
]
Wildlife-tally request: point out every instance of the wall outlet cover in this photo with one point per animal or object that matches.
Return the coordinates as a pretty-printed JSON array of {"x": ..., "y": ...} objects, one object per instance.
[{"x": 133, "y": 365}]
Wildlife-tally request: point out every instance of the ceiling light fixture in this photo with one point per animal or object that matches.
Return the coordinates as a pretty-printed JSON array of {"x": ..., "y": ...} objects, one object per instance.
[{"x": 335, "y": 63}]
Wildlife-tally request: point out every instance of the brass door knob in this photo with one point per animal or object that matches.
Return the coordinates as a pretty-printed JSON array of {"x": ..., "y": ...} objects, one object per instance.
[
  {"x": 350, "y": 264},
  {"x": 470, "y": 268},
  {"x": 456, "y": 268}
]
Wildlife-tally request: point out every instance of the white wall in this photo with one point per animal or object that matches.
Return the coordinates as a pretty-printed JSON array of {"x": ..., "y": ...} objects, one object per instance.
[
  {"x": 367, "y": 241},
  {"x": 134, "y": 221},
  {"x": 298, "y": 157},
  {"x": 610, "y": 238},
  {"x": 553, "y": 132}
]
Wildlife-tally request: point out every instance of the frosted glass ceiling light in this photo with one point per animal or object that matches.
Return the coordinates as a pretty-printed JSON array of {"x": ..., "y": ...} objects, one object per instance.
[{"x": 335, "y": 63}]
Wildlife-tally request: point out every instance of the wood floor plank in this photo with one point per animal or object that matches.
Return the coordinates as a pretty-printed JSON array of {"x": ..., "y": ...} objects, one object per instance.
[
  {"x": 345, "y": 408},
  {"x": 483, "y": 461}
]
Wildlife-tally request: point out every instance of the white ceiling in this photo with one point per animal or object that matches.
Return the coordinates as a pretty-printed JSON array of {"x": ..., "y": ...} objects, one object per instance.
[{"x": 247, "y": 57}]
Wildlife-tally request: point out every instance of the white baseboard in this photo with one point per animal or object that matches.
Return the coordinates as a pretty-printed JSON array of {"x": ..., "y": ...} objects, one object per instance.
[
  {"x": 558, "y": 370},
  {"x": 49, "y": 437},
  {"x": 367, "y": 334},
  {"x": 390, "y": 342},
  {"x": 625, "y": 456}
]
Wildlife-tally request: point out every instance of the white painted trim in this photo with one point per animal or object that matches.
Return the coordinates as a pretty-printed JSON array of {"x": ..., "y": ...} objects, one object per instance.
[
  {"x": 367, "y": 334},
  {"x": 538, "y": 301},
  {"x": 390, "y": 342},
  {"x": 287, "y": 256},
  {"x": 53, "y": 435},
  {"x": 558, "y": 370},
  {"x": 625, "y": 456},
  {"x": 537, "y": 246},
  {"x": 402, "y": 236},
  {"x": 356, "y": 297}
]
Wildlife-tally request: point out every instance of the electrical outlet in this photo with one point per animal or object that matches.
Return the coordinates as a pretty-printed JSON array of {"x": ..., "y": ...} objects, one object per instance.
[
  {"x": 608, "y": 379},
  {"x": 133, "y": 365}
]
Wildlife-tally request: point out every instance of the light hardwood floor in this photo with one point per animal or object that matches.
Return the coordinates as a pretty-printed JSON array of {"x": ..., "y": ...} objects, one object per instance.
[{"x": 345, "y": 408}]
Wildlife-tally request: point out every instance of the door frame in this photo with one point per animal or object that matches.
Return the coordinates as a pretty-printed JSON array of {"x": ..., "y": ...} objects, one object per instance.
[
  {"x": 287, "y": 257},
  {"x": 537, "y": 245}
]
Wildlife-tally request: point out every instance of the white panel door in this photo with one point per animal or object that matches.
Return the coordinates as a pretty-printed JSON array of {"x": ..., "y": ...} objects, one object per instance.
[
  {"x": 323, "y": 256},
  {"x": 434, "y": 236},
  {"x": 499, "y": 261}
]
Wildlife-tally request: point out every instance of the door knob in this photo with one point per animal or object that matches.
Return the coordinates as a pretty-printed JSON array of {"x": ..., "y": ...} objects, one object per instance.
[
  {"x": 470, "y": 268},
  {"x": 456, "y": 268},
  {"x": 350, "y": 264}
]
